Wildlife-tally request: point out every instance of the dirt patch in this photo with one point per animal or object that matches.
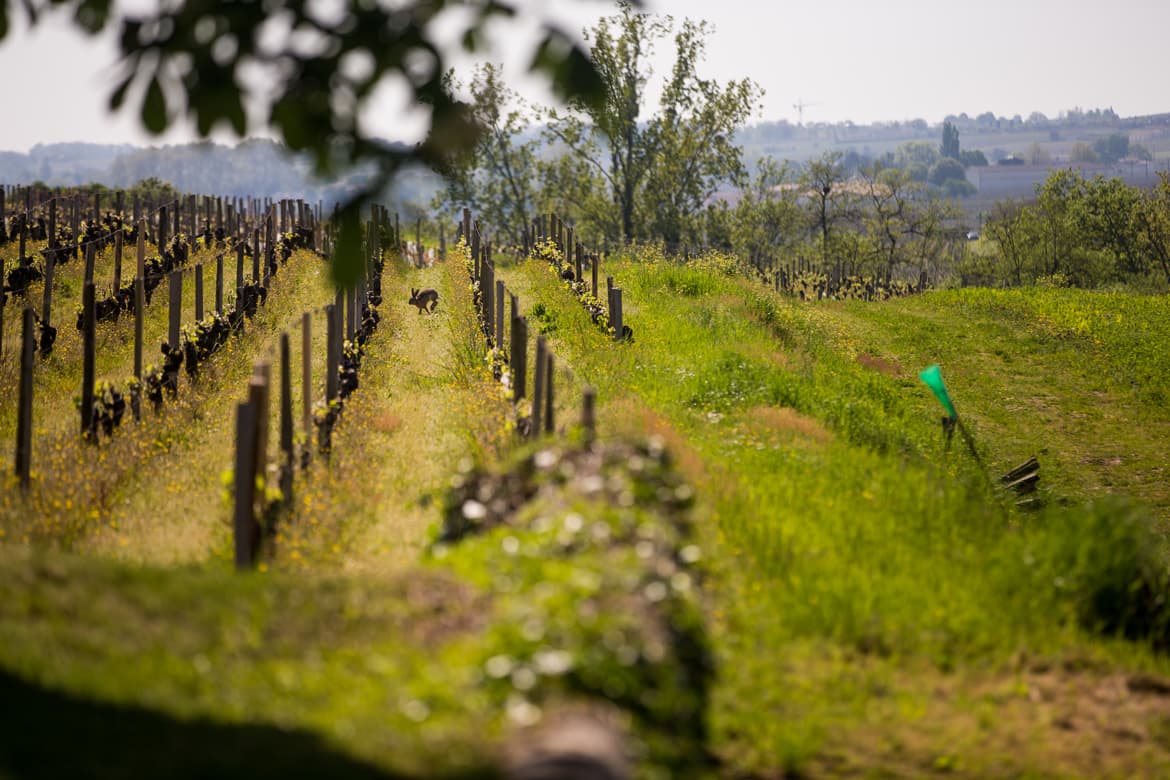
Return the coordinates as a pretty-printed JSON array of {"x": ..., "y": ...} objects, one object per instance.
[
  {"x": 881, "y": 365},
  {"x": 784, "y": 419},
  {"x": 1060, "y": 722}
]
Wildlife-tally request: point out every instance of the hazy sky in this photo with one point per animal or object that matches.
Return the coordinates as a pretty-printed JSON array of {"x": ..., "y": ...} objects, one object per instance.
[{"x": 863, "y": 60}]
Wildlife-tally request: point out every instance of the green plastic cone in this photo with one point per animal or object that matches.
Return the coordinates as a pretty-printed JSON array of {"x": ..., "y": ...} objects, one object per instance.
[{"x": 932, "y": 376}]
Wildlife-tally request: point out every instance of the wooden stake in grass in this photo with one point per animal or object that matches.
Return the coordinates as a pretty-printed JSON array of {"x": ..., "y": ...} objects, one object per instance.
[
  {"x": 332, "y": 357},
  {"x": 24, "y": 418},
  {"x": 199, "y": 292},
  {"x": 537, "y": 389},
  {"x": 499, "y": 314},
  {"x": 89, "y": 359},
  {"x": 286, "y": 422},
  {"x": 245, "y": 530},
  {"x": 139, "y": 302},
  {"x": 549, "y": 422},
  {"x": 176, "y": 309},
  {"x": 518, "y": 356},
  {"x": 219, "y": 285},
  {"x": 588, "y": 415},
  {"x": 615, "y": 312},
  {"x": 307, "y": 374},
  {"x": 117, "y": 261}
]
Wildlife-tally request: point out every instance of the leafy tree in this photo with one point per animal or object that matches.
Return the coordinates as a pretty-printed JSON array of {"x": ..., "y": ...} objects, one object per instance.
[
  {"x": 1112, "y": 147},
  {"x": 903, "y": 220},
  {"x": 950, "y": 141},
  {"x": 1083, "y": 153},
  {"x": 690, "y": 143},
  {"x": 497, "y": 177},
  {"x": 973, "y": 158},
  {"x": 768, "y": 219},
  {"x": 192, "y": 57},
  {"x": 829, "y": 200},
  {"x": 945, "y": 170},
  {"x": 1151, "y": 224},
  {"x": 1038, "y": 155},
  {"x": 1010, "y": 230},
  {"x": 658, "y": 172}
]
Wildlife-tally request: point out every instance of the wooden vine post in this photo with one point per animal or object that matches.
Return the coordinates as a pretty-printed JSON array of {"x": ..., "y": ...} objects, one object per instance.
[
  {"x": 307, "y": 375},
  {"x": 286, "y": 422},
  {"x": 175, "y": 309},
  {"x": 499, "y": 314},
  {"x": 219, "y": 285},
  {"x": 588, "y": 414},
  {"x": 117, "y": 261},
  {"x": 139, "y": 306},
  {"x": 24, "y": 421},
  {"x": 518, "y": 357},
  {"x": 332, "y": 358},
  {"x": 245, "y": 530},
  {"x": 199, "y": 292},
  {"x": 549, "y": 422},
  {"x": 534, "y": 429},
  {"x": 89, "y": 358}
]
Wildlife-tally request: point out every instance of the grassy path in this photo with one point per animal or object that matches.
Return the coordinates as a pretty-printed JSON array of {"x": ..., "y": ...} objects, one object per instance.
[{"x": 420, "y": 409}]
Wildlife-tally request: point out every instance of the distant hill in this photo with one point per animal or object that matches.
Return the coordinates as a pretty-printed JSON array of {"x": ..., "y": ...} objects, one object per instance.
[{"x": 256, "y": 167}]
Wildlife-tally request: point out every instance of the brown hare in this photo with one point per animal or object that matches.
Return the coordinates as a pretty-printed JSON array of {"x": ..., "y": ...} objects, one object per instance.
[{"x": 424, "y": 299}]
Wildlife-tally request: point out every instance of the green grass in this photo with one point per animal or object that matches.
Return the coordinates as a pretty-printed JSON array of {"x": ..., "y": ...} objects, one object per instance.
[
  {"x": 874, "y": 604},
  {"x": 842, "y": 528}
]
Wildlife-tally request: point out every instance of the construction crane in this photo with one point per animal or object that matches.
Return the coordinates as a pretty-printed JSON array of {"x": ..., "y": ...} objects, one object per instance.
[{"x": 800, "y": 106}]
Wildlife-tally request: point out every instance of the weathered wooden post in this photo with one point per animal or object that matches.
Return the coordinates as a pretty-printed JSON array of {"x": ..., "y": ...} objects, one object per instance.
[
  {"x": 593, "y": 262},
  {"x": 199, "y": 292},
  {"x": 588, "y": 417},
  {"x": 307, "y": 374},
  {"x": 118, "y": 239},
  {"x": 24, "y": 418},
  {"x": 499, "y": 314},
  {"x": 256, "y": 256},
  {"x": 52, "y": 223},
  {"x": 615, "y": 312},
  {"x": 219, "y": 285},
  {"x": 176, "y": 309},
  {"x": 259, "y": 392},
  {"x": 537, "y": 389},
  {"x": 332, "y": 356},
  {"x": 549, "y": 423},
  {"x": 442, "y": 241},
  {"x": 418, "y": 243},
  {"x": 139, "y": 303},
  {"x": 518, "y": 357},
  {"x": 286, "y": 422},
  {"x": 89, "y": 359},
  {"x": 487, "y": 292},
  {"x": 245, "y": 529},
  {"x": 74, "y": 225},
  {"x": 239, "y": 271},
  {"x": 90, "y": 249},
  {"x": 47, "y": 297},
  {"x": 161, "y": 235}
]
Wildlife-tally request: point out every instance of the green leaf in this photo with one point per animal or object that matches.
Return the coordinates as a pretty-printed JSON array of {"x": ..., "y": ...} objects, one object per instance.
[
  {"x": 154, "y": 108},
  {"x": 118, "y": 96}
]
